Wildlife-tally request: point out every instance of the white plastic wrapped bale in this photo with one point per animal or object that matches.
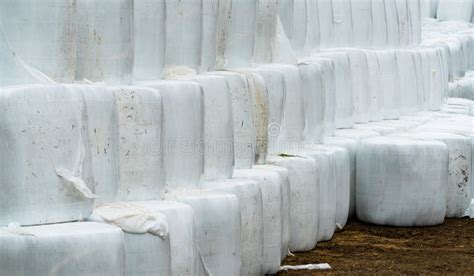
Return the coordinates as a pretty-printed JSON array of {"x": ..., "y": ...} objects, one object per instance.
[
  {"x": 344, "y": 101},
  {"x": 146, "y": 240},
  {"x": 408, "y": 81},
  {"x": 329, "y": 83},
  {"x": 351, "y": 145},
  {"x": 304, "y": 214},
  {"x": 414, "y": 14},
  {"x": 404, "y": 23},
  {"x": 390, "y": 84},
  {"x": 326, "y": 23},
  {"x": 149, "y": 31},
  {"x": 218, "y": 235},
  {"x": 43, "y": 35},
  {"x": 360, "y": 85},
  {"x": 140, "y": 126},
  {"x": 45, "y": 172},
  {"x": 218, "y": 127},
  {"x": 314, "y": 100},
  {"x": 380, "y": 129},
  {"x": 340, "y": 181},
  {"x": 459, "y": 169},
  {"x": 293, "y": 123},
  {"x": 460, "y": 10},
  {"x": 437, "y": 80},
  {"x": 401, "y": 182},
  {"x": 239, "y": 47},
  {"x": 13, "y": 70},
  {"x": 104, "y": 41},
  {"x": 379, "y": 24},
  {"x": 182, "y": 132},
  {"x": 251, "y": 214},
  {"x": 298, "y": 27},
  {"x": 461, "y": 89},
  {"x": 81, "y": 248},
  {"x": 342, "y": 22},
  {"x": 211, "y": 14},
  {"x": 362, "y": 23},
  {"x": 102, "y": 129},
  {"x": 375, "y": 87},
  {"x": 285, "y": 205},
  {"x": 356, "y": 134},
  {"x": 271, "y": 186},
  {"x": 393, "y": 36},
  {"x": 183, "y": 33},
  {"x": 266, "y": 31}
]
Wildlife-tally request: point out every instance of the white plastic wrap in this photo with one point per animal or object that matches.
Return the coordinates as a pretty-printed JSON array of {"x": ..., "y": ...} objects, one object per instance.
[
  {"x": 149, "y": 31},
  {"x": 285, "y": 205},
  {"x": 356, "y": 134},
  {"x": 183, "y": 33},
  {"x": 379, "y": 24},
  {"x": 45, "y": 155},
  {"x": 393, "y": 36},
  {"x": 360, "y": 85},
  {"x": 375, "y": 87},
  {"x": 43, "y": 35},
  {"x": 460, "y": 10},
  {"x": 404, "y": 24},
  {"x": 299, "y": 29},
  {"x": 211, "y": 10},
  {"x": 103, "y": 139},
  {"x": 314, "y": 100},
  {"x": 344, "y": 101},
  {"x": 329, "y": 83},
  {"x": 266, "y": 31},
  {"x": 183, "y": 130},
  {"x": 326, "y": 23},
  {"x": 401, "y": 182},
  {"x": 63, "y": 249},
  {"x": 140, "y": 127},
  {"x": 408, "y": 81},
  {"x": 105, "y": 41},
  {"x": 459, "y": 170},
  {"x": 414, "y": 14},
  {"x": 390, "y": 84},
  {"x": 342, "y": 22},
  {"x": 304, "y": 214},
  {"x": 218, "y": 235},
  {"x": 362, "y": 23},
  {"x": 251, "y": 209},
  {"x": 270, "y": 184}
]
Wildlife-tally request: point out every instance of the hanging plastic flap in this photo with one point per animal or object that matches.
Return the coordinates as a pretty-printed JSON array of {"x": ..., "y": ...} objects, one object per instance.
[
  {"x": 343, "y": 23},
  {"x": 140, "y": 127},
  {"x": 183, "y": 132},
  {"x": 459, "y": 169},
  {"x": 103, "y": 140},
  {"x": 44, "y": 36},
  {"x": 63, "y": 249},
  {"x": 44, "y": 131},
  {"x": 362, "y": 23},
  {"x": 183, "y": 33},
  {"x": 394, "y": 185},
  {"x": 379, "y": 24},
  {"x": 239, "y": 48},
  {"x": 304, "y": 212},
  {"x": 251, "y": 210},
  {"x": 314, "y": 100},
  {"x": 149, "y": 31},
  {"x": 460, "y": 10},
  {"x": 105, "y": 41},
  {"x": 390, "y": 84},
  {"x": 218, "y": 236},
  {"x": 326, "y": 23},
  {"x": 271, "y": 186},
  {"x": 266, "y": 31}
]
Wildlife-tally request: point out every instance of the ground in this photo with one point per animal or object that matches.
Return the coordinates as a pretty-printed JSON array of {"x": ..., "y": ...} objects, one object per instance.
[{"x": 362, "y": 249}]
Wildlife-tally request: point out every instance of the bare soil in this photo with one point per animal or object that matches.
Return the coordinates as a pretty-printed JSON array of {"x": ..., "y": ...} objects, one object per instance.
[{"x": 367, "y": 249}]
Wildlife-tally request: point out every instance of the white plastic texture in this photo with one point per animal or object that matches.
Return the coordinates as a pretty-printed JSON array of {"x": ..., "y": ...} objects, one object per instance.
[
  {"x": 102, "y": 129},
  {"x": 393, "y": 37},
  {"x": 460, "y": 10},
  {"x": 63, "y": 249},
  {"x": 183, "y": 33},
  {"x": 218, "y": 235},
  {"x": 395, "y": 184},
  {"x": 408, "y": 81},
  {"x": 298, "y": 29},
  {"x": 303, "y": 176},
  {"x": 351, "y": 145},
  {"x": 45, "y": 155},
  {"x": 183, "y": 130},
  {"x": 390, "y": 84},
  {"x": 285, "y": 204},
  {"x": 265, "y": 31},
  {"x": 271, "y": 186},
  {"x": 459, "y": 170},
  {"x": 342, "y": 23},
  {"x": 362, "y": 23},
  {"x": 375, "y": 87},
  {"x": 356, "y": 134},
  {"x": 404, "y": 23},
  {"x": 344, "y": 101},
  {"x": 360, "y": 85},
  {"x": 326, "y": 23},
  {"x": 329, "y": 82},
  {"x": 414, "y": 14},
  {"x": 140, "y": 127},
  {"x": 105, "y": 41},
  {"x": 44, "y": 36},
  {"x": 149, "y": 31},
  {"x": 379, "y": 24},
  {"x": 211, "y": 10},
  {"x": 251, "y": 209},
  {"x": 314, "y": 100}
]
